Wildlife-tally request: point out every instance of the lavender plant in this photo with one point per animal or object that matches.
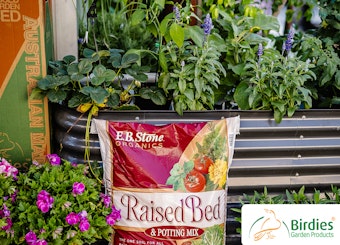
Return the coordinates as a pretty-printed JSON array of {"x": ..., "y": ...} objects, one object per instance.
[{"x": 276, "y": 81}]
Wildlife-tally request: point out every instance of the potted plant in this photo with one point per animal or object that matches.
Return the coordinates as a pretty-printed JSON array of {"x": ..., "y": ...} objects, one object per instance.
[{"x": 56, "y": 202}]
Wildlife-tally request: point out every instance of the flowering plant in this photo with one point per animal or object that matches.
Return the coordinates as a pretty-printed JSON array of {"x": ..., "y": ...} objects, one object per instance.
[
  {"x": 8, "y": 190},
  {"x": 190, "y": 62},
  {"x": 276, "y": 81},
  {"x": 58, "y": 202}
]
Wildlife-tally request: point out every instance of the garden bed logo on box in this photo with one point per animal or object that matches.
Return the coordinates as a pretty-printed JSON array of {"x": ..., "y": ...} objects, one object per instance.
[{"x": 290, "y": 223}]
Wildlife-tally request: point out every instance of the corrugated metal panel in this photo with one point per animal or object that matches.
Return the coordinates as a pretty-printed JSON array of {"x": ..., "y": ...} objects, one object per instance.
[{"x": 302, "y": 150}]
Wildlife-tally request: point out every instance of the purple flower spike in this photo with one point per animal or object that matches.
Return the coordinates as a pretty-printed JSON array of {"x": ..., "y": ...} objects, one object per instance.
[
  {"x": 207, "y": 25},
  {"x": 177, "y": 14},
  {"x": 54, "y": 159},
  {"x": 260, "y": 50},
  {"x": 290, "y": 39}
]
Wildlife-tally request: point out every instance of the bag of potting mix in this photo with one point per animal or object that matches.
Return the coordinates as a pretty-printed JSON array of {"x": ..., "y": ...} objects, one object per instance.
[{"x": 169, "y": 181}]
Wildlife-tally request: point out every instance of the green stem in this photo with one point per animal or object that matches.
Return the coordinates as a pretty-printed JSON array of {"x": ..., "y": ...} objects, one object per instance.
[{"x": 87, "y": 145}]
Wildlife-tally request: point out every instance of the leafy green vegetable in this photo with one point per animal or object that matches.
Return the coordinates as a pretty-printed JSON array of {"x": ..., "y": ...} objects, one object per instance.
[
  {"x": 212, "y": 236},
  {"x": 178, "y": 173}
]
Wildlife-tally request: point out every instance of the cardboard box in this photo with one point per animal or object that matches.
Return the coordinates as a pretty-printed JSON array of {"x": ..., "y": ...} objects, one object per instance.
[{"x": 24, "y": 123}]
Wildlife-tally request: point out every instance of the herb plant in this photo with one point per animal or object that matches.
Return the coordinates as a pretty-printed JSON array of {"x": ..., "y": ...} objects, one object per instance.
[
  {"x": 276, "y": 81},
  {"x": 191, "y": 66},
  {"x": 243, "y": 26}
]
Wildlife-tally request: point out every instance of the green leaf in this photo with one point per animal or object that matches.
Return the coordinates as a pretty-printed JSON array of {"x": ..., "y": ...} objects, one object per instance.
[
  {"x": 163, "y": 61},
  {"x": 238, "y": 69},
  {"x": 241, "y": 95},
  {"x": 101, "y": 74},
  {"x": 177, "y": 34},
  {"x": 196, "y": 34},
  {"x": 189, "y": 93},
  {"x": 113, "y": 100},
  {"x": 267, "y": 22},
  {"x": 88, "y": 53},
  {"x": 56, "y": 96},
  {"x": 153, "y": 93},
  {"x": 68, "y": 59},
  {"x": 77, "y": 100},
  {"x": 137, "y": 17},
  {"x": 278, "y": 116},
  {"x": 85, "y": 66},
  {"x": 164, "y": 24},
  {"x": 115, "y": 60},
  {"x": 291, "y": 111},
  {"x": 97, "y": 94},
  {"x": 129, "y": 59},
  {"x": 198, "y": 86},
  {"x": 160, "y": 3},
  {"x": 182, "y": 85}
]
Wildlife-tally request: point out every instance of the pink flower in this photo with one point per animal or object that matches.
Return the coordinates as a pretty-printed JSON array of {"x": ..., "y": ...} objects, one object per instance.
[
  {"x": 43, "y": 206},
  {"x": 110, "y": 220},
  {"x": 54, "y": 159},
  {"x": 57, "y": 232},
  {"x": 78, "y": 188},
  {"x": 72, "y": 218},
  {"x": 40, "y": 242},
  {"x": 14, "y": 196},
  {"x": 84, "y": 225},
  {"x": 7, "y": 169},
  {"x": 45, "y": 196},
  {"x": 35, "y": 162},
  {"x": 116, "y": 213},
  {"x": 113, "y": 216},
  {"x": 67, "y": 204},
  {"x": 8, "y": 226},
  {"x": 5, "y": 212},
  {"x": 106, "y": 199},
  {"x": 44, "y": 201},
  {"x": 31, "y": 238},
  {"x": 71, "y": 234},
  {"x": 82, "y": 214}
]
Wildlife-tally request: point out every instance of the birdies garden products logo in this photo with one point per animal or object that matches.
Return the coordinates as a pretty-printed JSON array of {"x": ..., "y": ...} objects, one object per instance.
[{"x": 290, "y": 224}]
